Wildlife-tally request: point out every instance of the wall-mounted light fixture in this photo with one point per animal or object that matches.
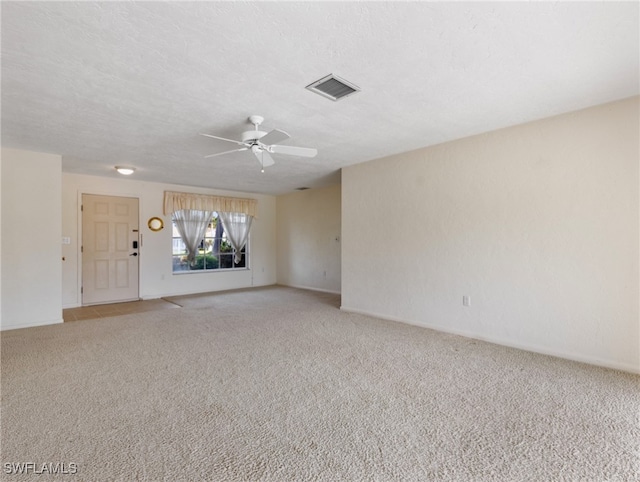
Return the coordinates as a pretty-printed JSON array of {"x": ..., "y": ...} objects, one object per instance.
[{"x": 125, "y": 171}]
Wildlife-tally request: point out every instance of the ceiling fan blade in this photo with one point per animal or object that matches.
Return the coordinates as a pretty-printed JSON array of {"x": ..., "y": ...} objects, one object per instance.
[
  {"x": 273, "y": 137},
  {"x": 294, "y": 151},
  {"x": 224, "y": 139},
  {"x": 264, "y": 158},
  {"x": 226, "y": 152}
]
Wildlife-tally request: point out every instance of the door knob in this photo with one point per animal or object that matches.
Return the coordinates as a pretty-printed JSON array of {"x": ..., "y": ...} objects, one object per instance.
[{"x": 133, "y": 254}]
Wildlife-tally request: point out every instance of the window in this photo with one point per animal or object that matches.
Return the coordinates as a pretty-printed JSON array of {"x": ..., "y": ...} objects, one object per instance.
[{"x": 214, "y": 252}]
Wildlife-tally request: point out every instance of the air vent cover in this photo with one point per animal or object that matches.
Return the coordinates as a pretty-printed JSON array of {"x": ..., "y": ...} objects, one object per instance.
[{"x": 333, "y": 87}]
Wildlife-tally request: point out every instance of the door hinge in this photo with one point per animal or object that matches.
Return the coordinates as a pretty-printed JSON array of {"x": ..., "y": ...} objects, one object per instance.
[
  {"x": 82, "y": 290},
  {"x": 81, "y": 207},
  {"x": 82, "y": 249}
]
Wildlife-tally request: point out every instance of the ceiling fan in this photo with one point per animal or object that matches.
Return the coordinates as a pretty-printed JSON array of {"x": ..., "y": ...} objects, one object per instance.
[{"x": 263, "y": 144}]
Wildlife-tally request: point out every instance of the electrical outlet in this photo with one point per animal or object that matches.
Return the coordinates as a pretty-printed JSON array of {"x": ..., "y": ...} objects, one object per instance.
[{"x": 466, "y": 300}]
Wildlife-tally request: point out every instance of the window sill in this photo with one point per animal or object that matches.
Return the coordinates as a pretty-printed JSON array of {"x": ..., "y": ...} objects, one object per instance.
[{"x": 208, "y": 271}]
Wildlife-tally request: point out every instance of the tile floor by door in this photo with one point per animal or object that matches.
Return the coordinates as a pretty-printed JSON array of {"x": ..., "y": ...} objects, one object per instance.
[{"x": 116, "y": 309}]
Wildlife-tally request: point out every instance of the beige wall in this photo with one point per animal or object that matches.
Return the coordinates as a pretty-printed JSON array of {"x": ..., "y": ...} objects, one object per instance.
[
  {"x": 308, "y": 234},
  {"x": 538, "y": 224},
  {"x": 31, "y": 244},
  {"x": 156, "y": 277},
  {"x": 0, "y": 240}
]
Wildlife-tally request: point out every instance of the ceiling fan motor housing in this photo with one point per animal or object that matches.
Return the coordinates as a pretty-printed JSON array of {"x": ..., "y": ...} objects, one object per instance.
[{"x": 251, "y": 136}]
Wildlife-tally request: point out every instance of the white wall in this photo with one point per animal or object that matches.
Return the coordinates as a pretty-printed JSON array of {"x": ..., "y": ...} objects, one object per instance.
[
  {"x": 308, "y": 234},
  {"x": 538, "y": 224},
  {"x": 156, "y": 277},
  {"x": 31, "y": 263},
  {"x": 0, "y": 241}
]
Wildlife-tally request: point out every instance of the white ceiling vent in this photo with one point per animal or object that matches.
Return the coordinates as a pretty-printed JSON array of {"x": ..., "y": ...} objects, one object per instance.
[{"x": 333, "y": 87}]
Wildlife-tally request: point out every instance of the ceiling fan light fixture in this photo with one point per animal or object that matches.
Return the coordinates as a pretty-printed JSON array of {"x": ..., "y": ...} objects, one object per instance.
[
  {"x": 333, "y": 87},
  {"x": 125, "y": 171}
]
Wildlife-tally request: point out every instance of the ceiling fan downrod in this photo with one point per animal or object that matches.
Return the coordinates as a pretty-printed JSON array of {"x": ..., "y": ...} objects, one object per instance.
[{"x": 256, "y": 120}]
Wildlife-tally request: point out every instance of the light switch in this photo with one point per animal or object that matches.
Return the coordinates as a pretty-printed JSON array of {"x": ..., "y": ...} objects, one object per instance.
[{"x": 66, "y": 240}]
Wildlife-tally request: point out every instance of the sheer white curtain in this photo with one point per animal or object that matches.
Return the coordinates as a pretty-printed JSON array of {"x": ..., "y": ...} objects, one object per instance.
[
  {"x": 237, "y": 226},
  {"x": 192, "y": 225}
]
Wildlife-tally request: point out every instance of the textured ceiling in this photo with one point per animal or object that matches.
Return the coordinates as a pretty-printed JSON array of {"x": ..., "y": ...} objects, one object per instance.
[{"x": 106, "y": 83}]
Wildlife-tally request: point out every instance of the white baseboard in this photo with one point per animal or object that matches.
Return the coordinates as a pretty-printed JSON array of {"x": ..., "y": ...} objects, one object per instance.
[
  {"x": 310, "y": 288},
  {"x": 16, "y": 326},
  {"x": 625, "y": 367}
]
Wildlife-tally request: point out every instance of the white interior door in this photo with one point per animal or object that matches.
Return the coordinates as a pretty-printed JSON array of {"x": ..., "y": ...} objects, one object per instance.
[{"x": 109, "y": 249}]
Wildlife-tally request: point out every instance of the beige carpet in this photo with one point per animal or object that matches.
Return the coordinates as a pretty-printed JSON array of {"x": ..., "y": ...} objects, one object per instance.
[{"x": 277, "y": 384}]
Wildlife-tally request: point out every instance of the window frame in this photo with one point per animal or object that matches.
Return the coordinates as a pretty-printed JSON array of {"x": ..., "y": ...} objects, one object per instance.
[{"x": 203, "y": 251}]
